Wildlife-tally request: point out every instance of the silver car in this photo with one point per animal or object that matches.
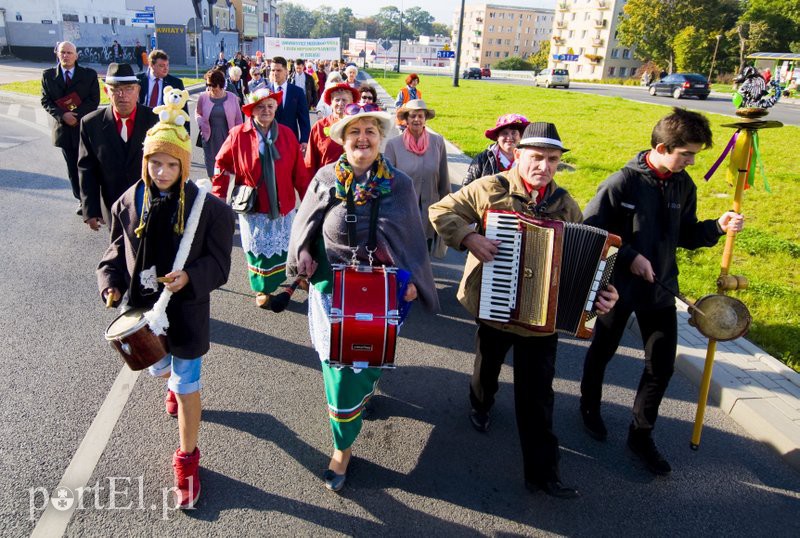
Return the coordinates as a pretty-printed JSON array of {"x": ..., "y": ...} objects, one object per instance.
[{"x": 549, "y": 78}]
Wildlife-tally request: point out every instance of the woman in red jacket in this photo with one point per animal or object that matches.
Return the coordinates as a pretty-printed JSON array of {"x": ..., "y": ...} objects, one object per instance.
[{"x": 263, "y": 154}]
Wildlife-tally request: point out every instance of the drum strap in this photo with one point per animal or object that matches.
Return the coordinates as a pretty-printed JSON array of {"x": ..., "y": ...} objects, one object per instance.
[{"x": 351, "y": 219}]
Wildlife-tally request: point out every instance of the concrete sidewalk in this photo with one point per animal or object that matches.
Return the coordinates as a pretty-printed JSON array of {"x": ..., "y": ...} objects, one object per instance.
[{"x": 757, "y": 390}]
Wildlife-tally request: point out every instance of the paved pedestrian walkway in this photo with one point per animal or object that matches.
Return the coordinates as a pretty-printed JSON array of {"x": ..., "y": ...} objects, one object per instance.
[{"x": 757, "y": 390}]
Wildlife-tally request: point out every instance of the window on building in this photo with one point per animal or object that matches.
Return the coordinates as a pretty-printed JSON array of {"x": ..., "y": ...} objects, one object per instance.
[
  {"x": 586, "y": 16},
  {"x": 122, "y": 22},
  {"x": 612, "y": 71},
  {"x": 615, "y": 53},
  {"x": 623, "y": 71},
  {"x": 106, "y": 20},
  {"x": 508, "y": 42},
  {"x": 572, "y": 17},
  {"x": 578, "y": 68},
  {"x": 501, "y": 15},
  {"x": 70, "y": 17},
  {"x": 94, "y": 20},
  {"x": 488, "y": 54},
  {"x": 505, "y": 55},
  {"x": 572, "y": 33},
  {"x": 516, "y": 49},
  {"x": 626, "y": 53},
  {"x": 583, "y": 34},
  {"x": 114, "y": 26},
  {"x": 491, "y": 15},
  {"x": 86, "y": 18},
  {"x": 491, "y": 28},
  {"x": 581, "y": 50}
]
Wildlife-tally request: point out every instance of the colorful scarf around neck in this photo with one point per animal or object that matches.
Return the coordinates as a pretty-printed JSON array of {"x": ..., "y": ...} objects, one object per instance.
[{"x": 379, "y": 180}]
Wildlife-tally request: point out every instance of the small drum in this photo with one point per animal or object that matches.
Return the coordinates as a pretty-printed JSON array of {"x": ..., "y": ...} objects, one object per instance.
[
  {"x": 364, "y": 316},
  {"x": 131, "y": 336}
]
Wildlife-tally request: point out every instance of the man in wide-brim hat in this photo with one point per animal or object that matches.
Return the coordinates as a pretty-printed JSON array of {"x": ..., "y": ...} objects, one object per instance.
[
  {"x": 110, "y": 151},
  {"x": 529, "y": 189}
]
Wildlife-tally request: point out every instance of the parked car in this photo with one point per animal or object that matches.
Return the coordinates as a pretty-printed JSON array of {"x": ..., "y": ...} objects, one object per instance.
[
  {"x": 549, "y": 78},
  {"x": 681, "y": 85},
  {"x": 486, "y": 72},
  {"x": 472, "y": 72}
]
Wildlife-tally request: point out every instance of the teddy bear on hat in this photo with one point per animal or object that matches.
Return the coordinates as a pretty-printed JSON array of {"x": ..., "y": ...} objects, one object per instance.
[{"x": 172, "y": 109}]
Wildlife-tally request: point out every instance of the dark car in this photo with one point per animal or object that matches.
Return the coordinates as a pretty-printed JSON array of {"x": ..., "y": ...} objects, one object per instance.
[
  {"x": 486, "y": 72},
  {"x": 472, "y": 72},
  {"x": 682, "y": 85}
]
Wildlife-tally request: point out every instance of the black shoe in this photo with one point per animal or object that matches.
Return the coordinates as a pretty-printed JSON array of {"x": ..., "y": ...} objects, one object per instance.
[
  {"x": 645, "y": 448},
  {"x": 553, "y": 488},
  {"x": 333, "y": 481},
  {"x": 79, "y": 211},
  {"x": 480, "y": 421},
  {"x": 593, "y": 423}
]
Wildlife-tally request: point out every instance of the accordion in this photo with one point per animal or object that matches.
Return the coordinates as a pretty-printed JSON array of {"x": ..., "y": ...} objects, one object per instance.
[{"x": 546, "y": 274}]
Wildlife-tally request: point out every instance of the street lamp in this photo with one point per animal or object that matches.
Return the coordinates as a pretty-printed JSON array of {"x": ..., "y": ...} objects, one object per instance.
[
  {"x": 400, "y": 41},
  {"x": 714, "y": 58},
  {"x": 458, "y": 46}
]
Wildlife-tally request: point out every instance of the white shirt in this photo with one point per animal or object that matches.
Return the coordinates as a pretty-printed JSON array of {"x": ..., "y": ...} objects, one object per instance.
[{"x": 300, "y": 81}]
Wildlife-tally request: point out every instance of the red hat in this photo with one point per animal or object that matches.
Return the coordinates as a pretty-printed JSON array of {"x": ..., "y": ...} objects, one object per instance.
[
  {"x": 326, "y": 95},
  {"x": 258, "y": 96},
  {"x": 513, "y": 121}
]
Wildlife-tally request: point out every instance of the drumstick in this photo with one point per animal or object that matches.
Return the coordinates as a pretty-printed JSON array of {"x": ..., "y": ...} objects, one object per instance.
[
  {"x": 680, "y": 297},
  {"x": 166, "y": 279},
  {"x": 110, "y": 300},
  {"x": 280, "y": 301}
]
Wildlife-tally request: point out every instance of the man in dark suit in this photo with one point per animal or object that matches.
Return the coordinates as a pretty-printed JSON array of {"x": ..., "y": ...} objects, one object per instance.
[
  {"x": 110, "y": 153},
  {"x": 305, "y": 82},
  {"x": 155, "y": 79},
  {"x": 293, "y": 112},
  {"x": 60, "y": 81}
]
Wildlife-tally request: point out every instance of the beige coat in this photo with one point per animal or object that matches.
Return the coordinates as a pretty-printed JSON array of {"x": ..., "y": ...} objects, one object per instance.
[
  {"x": 428, "y": 172},
  {"x": 454, "y": 218}
]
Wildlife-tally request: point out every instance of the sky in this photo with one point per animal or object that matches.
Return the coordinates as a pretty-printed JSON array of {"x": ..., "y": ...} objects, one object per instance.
[{"x": 442, "y": 10}]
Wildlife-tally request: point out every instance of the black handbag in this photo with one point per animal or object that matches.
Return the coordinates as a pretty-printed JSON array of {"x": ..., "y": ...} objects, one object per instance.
[
  {"x": 243, "y": 198},
  {"x": 199, "y": 142}
]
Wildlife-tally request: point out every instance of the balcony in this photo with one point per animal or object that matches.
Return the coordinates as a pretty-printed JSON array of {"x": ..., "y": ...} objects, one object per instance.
[
  {"x": 600, "y": 23},
  {"x": 476, "y": 45},
  {"x": 603, "y": 4},
  {"x": 479, "y": 19},
  {"x": 558, "y": 40},
  {"x": 594, "y": 58},
  {"x": 561, "y": 25},
  {"x": 563, "y": 6},
  {"x": 597, "y": 42}
]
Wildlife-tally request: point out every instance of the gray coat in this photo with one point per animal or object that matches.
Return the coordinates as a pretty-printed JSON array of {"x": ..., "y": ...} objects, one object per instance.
[
  {"x": 401, "y": 242},
  {"x": 208, "y": 265},
  {"x": 428, "y": 172}
]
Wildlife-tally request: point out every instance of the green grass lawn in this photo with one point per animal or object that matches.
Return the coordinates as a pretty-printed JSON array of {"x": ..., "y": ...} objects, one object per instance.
[
  {"x": 604, "y": 133},
  {"x": 34, "y": 87}
]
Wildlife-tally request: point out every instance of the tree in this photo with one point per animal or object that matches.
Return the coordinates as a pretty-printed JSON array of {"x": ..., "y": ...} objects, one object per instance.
[
  {"x": 388, "y": 18},
  {"x": 295, "y": 20},
  {"x": 779, "y": 24},
  {"x": 693, "y": 50},
  {"x": 513, "y": 63},
  {"x": 437, "y": 28},
  {"x": 538, "y": 60},
  {"x": 419, "y": 21},
  {"x": 325, "y": 23}
]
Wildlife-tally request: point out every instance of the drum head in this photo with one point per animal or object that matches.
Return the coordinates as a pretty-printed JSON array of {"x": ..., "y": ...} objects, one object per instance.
[
  {"x": 725, "y": 318},
  {"x": 126, "y": 323}
]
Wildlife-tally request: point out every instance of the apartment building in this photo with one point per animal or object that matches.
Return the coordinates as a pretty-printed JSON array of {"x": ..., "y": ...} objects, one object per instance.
[
  {"x": 585, "y": 40},
  {"x": 495, "y": 32},
  {"x": 421, "y": 52}
]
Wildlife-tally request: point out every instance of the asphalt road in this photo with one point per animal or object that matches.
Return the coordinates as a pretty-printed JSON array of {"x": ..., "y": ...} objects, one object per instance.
[
  {"x": 419, "y": 468},
  {"x": 717, "y": 103}
]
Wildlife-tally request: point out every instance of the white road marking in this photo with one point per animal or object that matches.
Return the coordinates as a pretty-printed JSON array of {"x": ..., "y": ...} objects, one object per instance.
[
  {"x": 30, "y": 124},
  {"x": 54, "y": 522}
]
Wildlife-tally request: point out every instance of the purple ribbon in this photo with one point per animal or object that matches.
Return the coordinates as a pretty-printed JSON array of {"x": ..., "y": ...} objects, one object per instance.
[{"x": 728, "y": 148}]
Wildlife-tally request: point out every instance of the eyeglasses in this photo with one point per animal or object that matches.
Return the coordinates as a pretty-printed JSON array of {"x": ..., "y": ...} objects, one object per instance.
[
  {"x": 366, "y": 97},
  {"x": 354, "y": 108},
  {"x": 123, "y": 90}
]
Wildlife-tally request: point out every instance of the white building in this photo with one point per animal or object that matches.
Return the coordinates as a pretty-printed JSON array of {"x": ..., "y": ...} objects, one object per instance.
[
  {"x": 422, "y": 52},
  {"x": 585, "y": 40}
]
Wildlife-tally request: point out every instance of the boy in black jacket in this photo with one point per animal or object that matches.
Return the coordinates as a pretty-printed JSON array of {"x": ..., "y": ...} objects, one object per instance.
[{"x": 652, "y": 204}]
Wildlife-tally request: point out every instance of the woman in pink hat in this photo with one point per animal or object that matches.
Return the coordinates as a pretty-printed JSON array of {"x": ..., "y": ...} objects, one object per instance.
[
  {"x": 499, "y": 156},
  {"x": 322, "y": 149}
]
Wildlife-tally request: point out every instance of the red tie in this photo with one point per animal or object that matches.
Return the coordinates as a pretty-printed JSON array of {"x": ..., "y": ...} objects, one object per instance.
[
  {"x": 154, "y": 95},
  {"x": 67, "y": 78}
]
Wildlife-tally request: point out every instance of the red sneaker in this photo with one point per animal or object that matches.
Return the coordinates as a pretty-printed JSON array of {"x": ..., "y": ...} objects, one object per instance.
[
  {"x": 187, "y": 477},
  {"x": 171, "y": 403}
]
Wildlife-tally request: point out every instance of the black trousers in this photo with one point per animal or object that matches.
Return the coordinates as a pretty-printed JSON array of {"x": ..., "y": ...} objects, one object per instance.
[
  {"x": 659, "y": 330},
  {"x": 534, "y": 369},
  {"x": 71, "y": 158}
]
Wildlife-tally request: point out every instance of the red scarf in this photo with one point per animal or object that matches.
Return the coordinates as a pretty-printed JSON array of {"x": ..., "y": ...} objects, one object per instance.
[{"x": 417, "y": 147}]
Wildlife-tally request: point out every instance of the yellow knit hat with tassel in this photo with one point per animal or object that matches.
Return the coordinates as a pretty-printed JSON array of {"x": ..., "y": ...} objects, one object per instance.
[{"x": 166, "y": 137}]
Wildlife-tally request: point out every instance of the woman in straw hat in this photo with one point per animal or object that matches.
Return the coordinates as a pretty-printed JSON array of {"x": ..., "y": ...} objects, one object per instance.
[
  {"x": 322, "y": 149},
  {"x": 263, "y": 154},
  {"x": 160, "y": 218},
  {"x": 320, "y": 239},
  {"x": 422, "y": 156},
  {"x": 499, "y": 156}
]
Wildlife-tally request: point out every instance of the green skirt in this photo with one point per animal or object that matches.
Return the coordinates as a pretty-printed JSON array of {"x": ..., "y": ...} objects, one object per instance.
[
  {"x": 266, "y": 274},
  {"x": 347, "y": 392}
]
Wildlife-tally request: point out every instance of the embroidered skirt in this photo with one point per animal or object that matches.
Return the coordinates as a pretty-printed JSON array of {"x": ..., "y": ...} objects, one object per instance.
[
  {"x": 346, "y": 389},
  {"x": 264, "y": 242}
]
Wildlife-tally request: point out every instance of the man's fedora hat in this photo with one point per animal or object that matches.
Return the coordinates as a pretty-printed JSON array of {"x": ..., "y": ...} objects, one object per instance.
[
  {"x": 540, "y": 134},
  {"x": 120, "y": 74}
]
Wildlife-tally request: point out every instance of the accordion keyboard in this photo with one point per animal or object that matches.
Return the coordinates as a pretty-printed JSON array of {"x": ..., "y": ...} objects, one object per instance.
[{"x": 501, "y": 276}]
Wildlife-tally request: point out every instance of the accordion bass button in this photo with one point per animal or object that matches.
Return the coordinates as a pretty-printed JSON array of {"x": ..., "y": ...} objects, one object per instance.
[{"x": 528, "y": 272}]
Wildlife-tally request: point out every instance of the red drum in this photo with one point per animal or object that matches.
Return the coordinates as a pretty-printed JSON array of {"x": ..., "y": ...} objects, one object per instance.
[
  {"x": 131, "y": 336},
  {"x": 364, "y": 316}
]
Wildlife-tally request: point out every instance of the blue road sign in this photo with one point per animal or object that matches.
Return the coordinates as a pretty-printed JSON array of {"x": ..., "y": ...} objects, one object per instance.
[
  {"x": 149, "y": 8},
  {"x": 445, "y": 54},
  {"x": 142, "y": 21},
  {"x": 152, "y": 41},
  {"x": 566, "y": 57},
  {"x": 145, "y": 15}
]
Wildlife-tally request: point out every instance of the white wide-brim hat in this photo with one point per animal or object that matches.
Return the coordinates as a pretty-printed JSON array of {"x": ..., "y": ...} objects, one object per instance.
[{"x": 338, "y": 128}]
